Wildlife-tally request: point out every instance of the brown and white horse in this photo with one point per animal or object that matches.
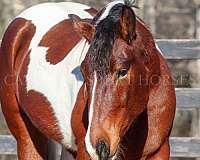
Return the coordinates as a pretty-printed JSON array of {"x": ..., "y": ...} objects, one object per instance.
[{"x": 97, "y": 85}]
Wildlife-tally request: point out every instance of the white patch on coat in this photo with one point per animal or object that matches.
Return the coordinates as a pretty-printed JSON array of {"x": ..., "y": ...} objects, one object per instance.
[
  {"x": 89, "y": 147},
  {"x": 108, "y": 7},
  {"x": 59, "y": 83},
  {"x": 45, "y": 16}
]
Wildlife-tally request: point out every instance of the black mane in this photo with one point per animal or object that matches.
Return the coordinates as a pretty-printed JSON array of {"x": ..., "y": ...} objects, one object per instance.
[{"x": 107, "y": 30}]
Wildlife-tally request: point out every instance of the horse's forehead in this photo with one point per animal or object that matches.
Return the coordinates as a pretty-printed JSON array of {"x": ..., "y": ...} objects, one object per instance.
[{"x": 120, "y": 47}]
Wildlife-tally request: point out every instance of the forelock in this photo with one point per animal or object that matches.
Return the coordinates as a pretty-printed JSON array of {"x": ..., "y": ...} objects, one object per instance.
[{"x": 107, "y": 30}]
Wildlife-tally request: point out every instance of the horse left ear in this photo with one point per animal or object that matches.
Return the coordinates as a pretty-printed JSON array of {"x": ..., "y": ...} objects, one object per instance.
[
  {"x": 84, "y": 28},
  {"x": 128, "y": 24}
]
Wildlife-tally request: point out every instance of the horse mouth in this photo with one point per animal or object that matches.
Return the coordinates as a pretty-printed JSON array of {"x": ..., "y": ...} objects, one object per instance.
[
  {"x": 103, "y": 151},
  {"x": 118, "y": 155}
]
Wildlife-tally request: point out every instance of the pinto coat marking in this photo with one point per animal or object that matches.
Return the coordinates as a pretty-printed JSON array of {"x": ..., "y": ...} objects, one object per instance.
[
  {"x": 53, "y": 68},
  {"x": 52, "y": 40}
]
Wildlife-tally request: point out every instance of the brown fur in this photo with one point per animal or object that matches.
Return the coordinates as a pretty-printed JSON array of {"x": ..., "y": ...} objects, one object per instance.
[
  {"x": 136, "y": 112},
  {"x": 14, "y": 45},
  {"x": 60, "y": 43},
  {"x": 15, "y": 39}
]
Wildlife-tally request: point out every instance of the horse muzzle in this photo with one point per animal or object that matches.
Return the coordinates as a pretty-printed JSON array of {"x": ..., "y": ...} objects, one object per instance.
[{"x": 102, "y": 150}]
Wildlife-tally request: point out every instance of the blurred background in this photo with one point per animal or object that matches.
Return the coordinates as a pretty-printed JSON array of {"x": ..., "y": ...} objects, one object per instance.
[{"x": 167, "y": 19}]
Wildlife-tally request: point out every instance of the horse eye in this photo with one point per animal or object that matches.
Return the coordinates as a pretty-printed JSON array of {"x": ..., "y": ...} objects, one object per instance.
[{"x": 122, "y": 73}]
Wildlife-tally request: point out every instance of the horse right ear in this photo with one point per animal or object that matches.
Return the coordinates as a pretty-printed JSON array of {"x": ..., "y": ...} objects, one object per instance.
[
  {"x": 128, "y": 24},
  {"x": 83, "y": 28}
]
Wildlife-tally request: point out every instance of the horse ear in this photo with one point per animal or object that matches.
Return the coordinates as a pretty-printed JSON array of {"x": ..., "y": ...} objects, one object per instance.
[
  {"x": 128, "y": 24},
  {"x": 84, "y": 28}
]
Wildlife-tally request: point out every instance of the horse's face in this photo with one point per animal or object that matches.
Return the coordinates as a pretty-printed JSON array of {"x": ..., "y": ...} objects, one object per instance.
[
  {"x": 117, "y": 97},
  {"x": 114, "y": 71}
]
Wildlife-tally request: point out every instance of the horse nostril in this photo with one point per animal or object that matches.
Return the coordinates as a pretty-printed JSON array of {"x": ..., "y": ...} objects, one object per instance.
[{"x": 102, "y": 150}]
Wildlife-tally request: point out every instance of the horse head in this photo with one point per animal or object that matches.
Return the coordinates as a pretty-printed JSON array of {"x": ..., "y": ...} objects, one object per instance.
[{"x": 114, "y": 69}]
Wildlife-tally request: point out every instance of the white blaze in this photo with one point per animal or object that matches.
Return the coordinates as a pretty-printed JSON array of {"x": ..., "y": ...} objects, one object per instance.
[{"x": 89, "y": 147}]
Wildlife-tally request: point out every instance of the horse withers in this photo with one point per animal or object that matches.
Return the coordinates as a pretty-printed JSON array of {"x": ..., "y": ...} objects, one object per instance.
[{"x": 97, "y": 85}]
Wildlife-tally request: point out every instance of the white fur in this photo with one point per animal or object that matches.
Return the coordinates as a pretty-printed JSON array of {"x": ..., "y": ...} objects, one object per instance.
[
  {"x": 89, "y": 147},
  {"x": 109, "y": 6},
  {"x": 45, "y": 16},
  {"x": 56, "y": 82}
]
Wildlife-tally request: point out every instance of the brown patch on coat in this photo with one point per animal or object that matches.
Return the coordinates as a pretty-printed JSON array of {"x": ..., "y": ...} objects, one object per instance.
[
  {"x": 37, "y": 107},
  {"x": 16, "y": 38},
  {"x": 92, "y": 11},
  {"x": 60, "y": 40}
]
